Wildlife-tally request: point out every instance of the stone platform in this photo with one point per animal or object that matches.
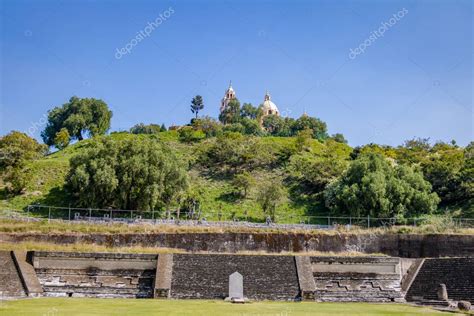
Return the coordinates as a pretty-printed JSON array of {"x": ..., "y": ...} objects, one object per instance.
[{"x": 206, "y": 276}]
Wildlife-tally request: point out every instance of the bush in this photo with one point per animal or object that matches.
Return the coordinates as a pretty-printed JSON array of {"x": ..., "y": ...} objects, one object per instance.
[
  {"x": 187, "y": 134},
  {"x": 372, "y": 186},
  {"x": 132, "y": 174}
]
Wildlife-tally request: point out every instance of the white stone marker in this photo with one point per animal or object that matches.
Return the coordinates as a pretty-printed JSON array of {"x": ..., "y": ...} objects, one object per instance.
[{"x": 236, "y": 287}]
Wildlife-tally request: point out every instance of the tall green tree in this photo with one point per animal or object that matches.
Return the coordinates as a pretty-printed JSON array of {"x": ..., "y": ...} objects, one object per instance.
[
  {"x": 17, "y": 148},
  {"x": 231, "y": 113},
  {"x": 269, "y": 196},
  {"x": 243, "y": 182},
  {"x": 16, "y": 151},
  {"x": 62, "y": 139},
  {"x": 314, "y": 170},
  {"x": 373, "y": 186},
  {"x": 80, "y": 117},
  {"x": 135, "y": 173},
  {"x": 250, "y": 112},
  {"x": 197, "y": 104},
  {"x": 318, "y": 127}
]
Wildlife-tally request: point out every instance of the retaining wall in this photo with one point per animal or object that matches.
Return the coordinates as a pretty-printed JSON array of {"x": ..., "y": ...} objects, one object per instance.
[
  {"x": 206, "y": 276},
  {"x": 396, "y": 245}
]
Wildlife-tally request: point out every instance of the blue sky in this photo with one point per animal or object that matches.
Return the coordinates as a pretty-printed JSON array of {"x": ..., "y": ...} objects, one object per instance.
[{"x": 414, "y": 81}]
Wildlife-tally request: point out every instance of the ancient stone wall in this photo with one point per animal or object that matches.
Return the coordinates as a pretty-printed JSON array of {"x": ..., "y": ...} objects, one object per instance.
[
  {"x": 95, "y": 274},
  {"x": 207, "y": 276},
  {"x": 10, "y": 281},
  {"x": 359, "y": 279},
  {"x": 456, "y": 273},
  {"x": 396, "y": 245}
]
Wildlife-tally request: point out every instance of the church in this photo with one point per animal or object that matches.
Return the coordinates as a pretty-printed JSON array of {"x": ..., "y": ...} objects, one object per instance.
[{"x": 268, "y": 107}]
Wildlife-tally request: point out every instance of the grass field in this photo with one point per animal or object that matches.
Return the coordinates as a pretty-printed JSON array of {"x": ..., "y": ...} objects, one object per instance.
[{"x": 76, "y": 307}]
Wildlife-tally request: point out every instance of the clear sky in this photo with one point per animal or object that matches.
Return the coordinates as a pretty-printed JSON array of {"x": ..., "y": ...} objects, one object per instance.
[{"x": 410, "y": 77}]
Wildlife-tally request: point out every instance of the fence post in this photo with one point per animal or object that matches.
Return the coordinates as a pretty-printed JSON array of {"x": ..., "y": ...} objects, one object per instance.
[
  {"x": 329, "y": 221},
  {"x": 90, "y": 214},
  {"x": 28, "y": 214},
  {"x": 368, "y": 221},
  {"x": 69, "y": 216},
  {"x": 49, "y": 214},
  {"x": 350, "y": 221}
]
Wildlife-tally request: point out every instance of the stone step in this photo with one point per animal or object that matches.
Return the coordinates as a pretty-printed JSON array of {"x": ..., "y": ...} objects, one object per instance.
[
  {"x": 456, "y": 273},
  {"x": 10, "y": 282}
]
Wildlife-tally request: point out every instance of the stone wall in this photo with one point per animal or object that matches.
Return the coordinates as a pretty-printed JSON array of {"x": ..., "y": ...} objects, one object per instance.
[
  {"x": 396, "y": 245},
  {"x": 456, "y": 273},
  {"x": 358, "y": 279},
  {"x": 10, "y": 281},
  {"x": 95, "y": 274},
  {"x": 207, "y": 276}
]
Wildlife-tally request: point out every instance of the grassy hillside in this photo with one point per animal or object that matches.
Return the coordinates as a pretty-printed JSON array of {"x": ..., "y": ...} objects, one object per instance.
[{"x": 215, "y": 190}]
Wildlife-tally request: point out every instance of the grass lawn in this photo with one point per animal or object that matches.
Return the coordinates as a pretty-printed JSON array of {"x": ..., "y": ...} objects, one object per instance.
[{"x": 78, "y": 306}]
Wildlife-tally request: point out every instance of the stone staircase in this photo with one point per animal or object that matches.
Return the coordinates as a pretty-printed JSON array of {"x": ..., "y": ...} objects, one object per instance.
[
  {"x": 10, "y": 282},
  {"x": 456, "y": 273}
]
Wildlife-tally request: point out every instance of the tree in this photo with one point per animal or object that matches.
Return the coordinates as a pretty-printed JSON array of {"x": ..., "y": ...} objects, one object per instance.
[
  {"x": 17, "y": 148},
  {"x": 251, "y": 127},
  {"x": 315, "y": 170},
  {"x": 78, "y": 116},
  {"x": 273, "y": 124},
  {"x": 338, "y": 137},
  {"x": 16, "y": 151},
  {"x": 197, "y": 105},
  {"x": 372, "y": 186},
  {"x": 233, "y": 153},
  {"x": 269, "y": 196},
  {"x": 413, "y": 151},
  {"x": 303, "y": 140},
  {"x": 62, "y": 139},
  {"x": 318, "y": 127},
  {"x": 141, "y": 128},
  {"x": 231, "y": 113},
  {"x": 188, "y": 134},
  {"x": 242, "y": 182},
  {"x": 250, "y": 112},
  {"x": 443, "y": 167},
  {"x": 133, "y": 173},
  {"x": 208, "y": 125}
]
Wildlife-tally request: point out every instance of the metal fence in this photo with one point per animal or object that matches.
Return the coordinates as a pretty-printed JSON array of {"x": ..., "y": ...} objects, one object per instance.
[{"x": 96, "y": 215}]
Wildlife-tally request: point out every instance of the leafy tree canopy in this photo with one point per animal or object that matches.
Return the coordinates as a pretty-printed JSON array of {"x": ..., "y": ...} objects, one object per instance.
[
  {"x": 79, "y": 116},
  {"x": 231, "y": 114},
  {"x": 137, "y": 173},
  {"x": 16, "y": 148},
  {"x": 373, "y": 186},
  {"x": 318, "y": 127},
  {"x": 62, "y": 139},
  {"x": 141, "y": 128}
]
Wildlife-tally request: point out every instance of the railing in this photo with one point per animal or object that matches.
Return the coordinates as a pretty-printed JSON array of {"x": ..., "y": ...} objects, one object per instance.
[{"x": 97, "y": 215}]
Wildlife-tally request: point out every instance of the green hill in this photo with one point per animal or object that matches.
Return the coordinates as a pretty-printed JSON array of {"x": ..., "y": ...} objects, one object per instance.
[
  {"x": 212, "y": 186},
  {"x": 216, "y": 192}
]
